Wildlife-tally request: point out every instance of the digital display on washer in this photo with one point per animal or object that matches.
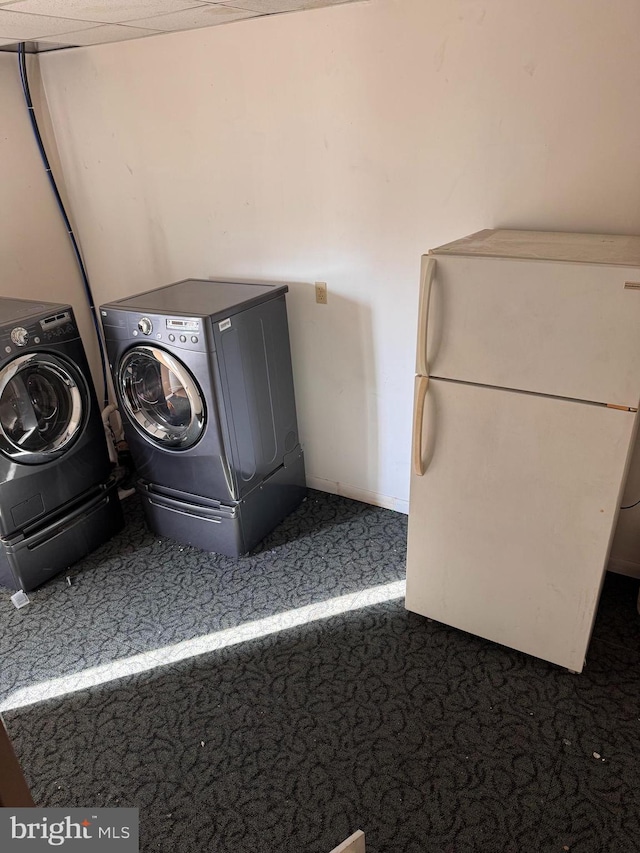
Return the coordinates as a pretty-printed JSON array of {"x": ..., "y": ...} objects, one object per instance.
[
  {"x": 54, "y": 320},
  {"x": 184, "y": 324}
]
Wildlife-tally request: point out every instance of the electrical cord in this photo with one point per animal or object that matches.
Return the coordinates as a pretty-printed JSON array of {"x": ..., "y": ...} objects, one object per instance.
[
  {"x": 43, "y": 154},
  {"x": 631, "y": 506}
]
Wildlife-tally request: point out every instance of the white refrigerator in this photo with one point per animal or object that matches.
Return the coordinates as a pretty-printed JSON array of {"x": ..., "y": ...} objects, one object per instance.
[{"x": 525, "y": 412}]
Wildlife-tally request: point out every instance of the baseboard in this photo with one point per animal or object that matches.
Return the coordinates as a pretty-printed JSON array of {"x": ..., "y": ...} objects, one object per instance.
[
  {"x": 356, "y": 494},
  {"x": 624, "y": 567}
]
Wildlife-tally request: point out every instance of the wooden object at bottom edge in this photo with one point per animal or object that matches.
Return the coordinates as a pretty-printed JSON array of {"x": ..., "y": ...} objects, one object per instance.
[
  {"x": 353, "y": 844},
  {"x": 14, "y": 791}
]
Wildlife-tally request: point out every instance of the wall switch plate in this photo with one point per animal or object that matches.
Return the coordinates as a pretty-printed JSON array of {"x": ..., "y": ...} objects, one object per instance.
[{"x": 321, "y": 292}]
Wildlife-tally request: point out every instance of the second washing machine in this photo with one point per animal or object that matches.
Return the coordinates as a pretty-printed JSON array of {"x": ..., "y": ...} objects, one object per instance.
[
  {"x": 204, "y": 380},
  {"x": 57, "y": 499}
]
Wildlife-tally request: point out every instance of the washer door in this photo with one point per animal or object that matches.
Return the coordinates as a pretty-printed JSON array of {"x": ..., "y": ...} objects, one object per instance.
[
  {"x": 161, "y": 397},
  {"x": 41, "y": 407}
]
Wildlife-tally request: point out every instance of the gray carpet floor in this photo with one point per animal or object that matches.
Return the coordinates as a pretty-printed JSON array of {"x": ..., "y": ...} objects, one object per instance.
[{"x": 280, "y": 701}]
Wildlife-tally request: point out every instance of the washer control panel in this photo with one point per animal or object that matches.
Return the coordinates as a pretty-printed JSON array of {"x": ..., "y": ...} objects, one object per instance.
[
  {"x": 50, "y": 330},
  {"x": 188, "y": 333},
  {"x": 183, "y": 324},
  {"x": 57, "y": 327},
  {"x": 184, "y": 330}
]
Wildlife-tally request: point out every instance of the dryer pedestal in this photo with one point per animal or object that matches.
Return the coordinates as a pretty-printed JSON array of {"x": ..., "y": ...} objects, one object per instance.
[
  {"x": 31, "y": 557},
  {"x": 231, "y": 529}
]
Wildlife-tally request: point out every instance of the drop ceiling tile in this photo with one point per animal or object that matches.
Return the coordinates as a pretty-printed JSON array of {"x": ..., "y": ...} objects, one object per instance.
[
  {"x": 270, "y": 6},
  {"x": 100, "y": 35},
  {"x": 19, "y": 27},
  {"x": 100, "y": 11},
  {"x": 191, "y": 19}
]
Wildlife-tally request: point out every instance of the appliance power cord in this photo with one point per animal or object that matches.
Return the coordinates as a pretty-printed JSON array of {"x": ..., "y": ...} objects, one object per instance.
[
  {"x": 631, "y": 506},
  {"x": 83, "y": 273}
]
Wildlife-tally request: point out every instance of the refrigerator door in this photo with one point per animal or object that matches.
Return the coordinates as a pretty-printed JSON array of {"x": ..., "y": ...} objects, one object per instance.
[
  {"x": 564, "y": 329},
  {"x": 510, "y": 524}
]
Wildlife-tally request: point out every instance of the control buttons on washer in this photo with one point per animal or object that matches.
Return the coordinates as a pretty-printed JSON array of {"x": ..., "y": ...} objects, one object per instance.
[
  {"x": 158, "y": 336},
  {"x": 36, "y": 340},
  {"x": 172, "y": 338},
  {"x": 194, "y": 339},
  {"x": 7, "y": 349},
  {"x": 145, "y": 325},
  {"x": 19, "y": 336},
  {"x": 183, "y": 339}
]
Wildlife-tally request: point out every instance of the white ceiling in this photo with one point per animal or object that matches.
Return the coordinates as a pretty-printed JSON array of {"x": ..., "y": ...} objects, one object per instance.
[{"x": 52, "y": 24}]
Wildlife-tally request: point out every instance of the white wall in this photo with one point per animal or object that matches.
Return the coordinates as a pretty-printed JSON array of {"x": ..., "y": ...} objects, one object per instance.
[
  {"x": 36, "y": 259},
  {"x": 338, "y": 145}
]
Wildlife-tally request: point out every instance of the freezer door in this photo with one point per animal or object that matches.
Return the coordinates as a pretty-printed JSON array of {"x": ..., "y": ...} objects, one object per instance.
[
  {"x": 569, "y": 330},
  {"x": 511, "y": 522}
]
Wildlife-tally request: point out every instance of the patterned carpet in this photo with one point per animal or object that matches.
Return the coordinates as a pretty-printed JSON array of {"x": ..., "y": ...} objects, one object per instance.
[{"x": 428, "y": 739}]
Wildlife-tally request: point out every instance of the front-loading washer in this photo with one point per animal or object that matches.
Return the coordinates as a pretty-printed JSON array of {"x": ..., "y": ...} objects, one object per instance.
[
  {"x": 204, "y": 380},
  {"x": 54, "y": 464}
]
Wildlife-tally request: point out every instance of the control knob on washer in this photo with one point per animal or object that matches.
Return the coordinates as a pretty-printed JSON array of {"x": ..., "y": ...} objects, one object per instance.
[
  {"x": 145, "y": 325},
  {"x": 19, "y": 336}
]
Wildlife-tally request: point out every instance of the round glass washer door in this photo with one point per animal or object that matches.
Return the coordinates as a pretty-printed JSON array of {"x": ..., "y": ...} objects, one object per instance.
[
  {"x": 161, "y": 397},
  {"x": 41, "y": 407}
]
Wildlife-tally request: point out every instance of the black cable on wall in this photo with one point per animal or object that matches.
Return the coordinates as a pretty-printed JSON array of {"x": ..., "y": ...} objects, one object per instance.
[{"x": 83, "y": 273}]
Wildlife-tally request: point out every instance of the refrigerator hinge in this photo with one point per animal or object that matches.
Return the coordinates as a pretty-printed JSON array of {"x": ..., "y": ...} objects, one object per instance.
[{"x": 621, "y": 408}]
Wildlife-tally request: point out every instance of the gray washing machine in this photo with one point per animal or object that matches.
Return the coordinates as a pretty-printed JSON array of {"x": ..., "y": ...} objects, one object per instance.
[
  {"x": 203, "y": 375},
  {"x": 57, "y": 501}
]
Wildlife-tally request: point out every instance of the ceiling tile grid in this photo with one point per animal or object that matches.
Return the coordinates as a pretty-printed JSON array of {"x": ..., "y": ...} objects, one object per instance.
[
  {"x": 191, "y": 19},
  {"x": 72, "y": 23},
  {"x": 14, "y": 25},
  {"x": 103, "y": 34},
  {"x": 99, "y": 11},
  {"x": 269, "y": 7}
]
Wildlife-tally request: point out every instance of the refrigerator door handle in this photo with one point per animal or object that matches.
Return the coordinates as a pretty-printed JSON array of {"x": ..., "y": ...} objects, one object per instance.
[
  {"x": 427, "y": 270},
  {"x": 422, "y": 383}
]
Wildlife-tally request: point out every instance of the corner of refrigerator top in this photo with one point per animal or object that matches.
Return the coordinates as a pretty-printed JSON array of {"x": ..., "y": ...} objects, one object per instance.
[{"x": 461, "y": 245}]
